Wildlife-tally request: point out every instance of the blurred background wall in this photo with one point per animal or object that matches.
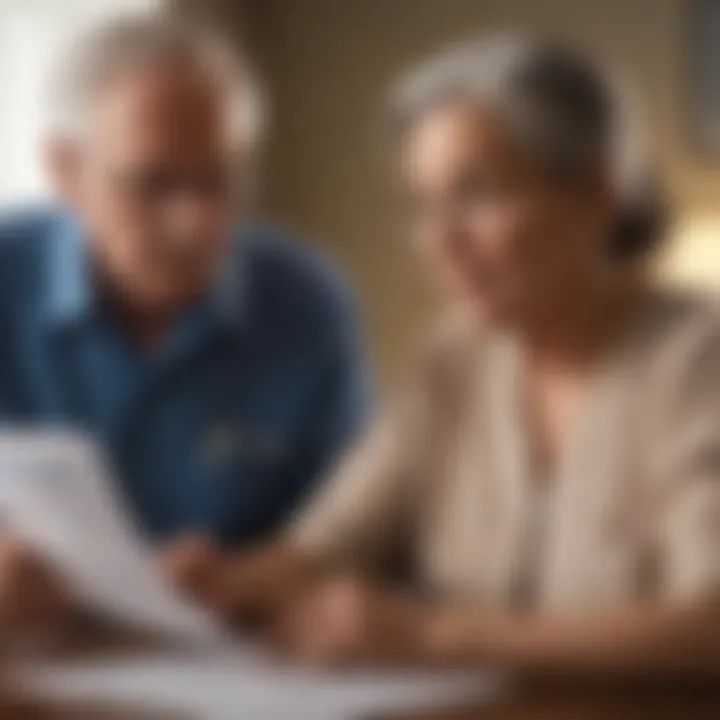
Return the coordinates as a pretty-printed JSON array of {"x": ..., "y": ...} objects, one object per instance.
[{"x": 328, "y": 65}]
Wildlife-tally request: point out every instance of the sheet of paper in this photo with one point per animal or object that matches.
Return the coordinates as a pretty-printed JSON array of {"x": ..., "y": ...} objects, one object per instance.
[
  {"x": 56, "y": 493},
  {"x": 223, "y": 687}
]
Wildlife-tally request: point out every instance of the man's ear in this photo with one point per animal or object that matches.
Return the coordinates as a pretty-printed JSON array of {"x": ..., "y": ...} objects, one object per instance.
[{"x": 62, "y": 165}]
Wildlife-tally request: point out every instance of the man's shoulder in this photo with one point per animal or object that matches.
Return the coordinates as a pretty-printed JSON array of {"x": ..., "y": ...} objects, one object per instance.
[{"x": 285, "y": 275}]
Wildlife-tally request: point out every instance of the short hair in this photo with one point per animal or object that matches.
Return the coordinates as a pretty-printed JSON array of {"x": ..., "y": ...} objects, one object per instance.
[
  {"x": 564, "y": 109},
  {"x": 120, "y": 44}
]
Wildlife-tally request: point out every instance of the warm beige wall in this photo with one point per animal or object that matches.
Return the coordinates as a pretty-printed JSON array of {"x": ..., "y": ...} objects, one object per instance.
[{"x": 328, "y": 64}]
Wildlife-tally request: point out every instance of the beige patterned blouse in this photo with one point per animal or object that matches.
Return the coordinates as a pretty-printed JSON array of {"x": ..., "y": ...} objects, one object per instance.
[{"x": 443, "y": 481}]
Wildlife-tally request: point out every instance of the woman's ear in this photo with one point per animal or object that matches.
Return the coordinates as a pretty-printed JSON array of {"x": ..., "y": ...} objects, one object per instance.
[{"x": 61, "y": 161}]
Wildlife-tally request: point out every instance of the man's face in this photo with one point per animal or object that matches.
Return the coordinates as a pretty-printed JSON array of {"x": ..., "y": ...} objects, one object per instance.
[{"x": 155, "y": 180}]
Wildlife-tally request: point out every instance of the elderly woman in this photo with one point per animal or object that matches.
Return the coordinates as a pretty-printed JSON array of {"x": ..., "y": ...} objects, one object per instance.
[{"x": 548, "y": 478}]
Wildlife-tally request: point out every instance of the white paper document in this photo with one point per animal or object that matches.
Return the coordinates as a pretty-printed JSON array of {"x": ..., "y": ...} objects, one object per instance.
[
  {"x": 56, "y": 493},
  {"x": 223, "y": 688}
]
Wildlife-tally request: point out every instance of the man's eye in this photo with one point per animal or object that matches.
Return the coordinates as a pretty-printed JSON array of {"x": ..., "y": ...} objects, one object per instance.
[
  {"x": 159, "y": 185},
  {"x": 150, "y": 185}
]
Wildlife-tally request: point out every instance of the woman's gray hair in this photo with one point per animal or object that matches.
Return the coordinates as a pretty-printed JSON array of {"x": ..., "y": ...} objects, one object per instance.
[
  {"x": 561, "y": 107},
  {"x": 134, "y": 40}
]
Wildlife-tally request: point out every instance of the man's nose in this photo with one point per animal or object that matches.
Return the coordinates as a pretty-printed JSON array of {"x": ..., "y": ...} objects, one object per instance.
[{"x": 188, "y": 217}]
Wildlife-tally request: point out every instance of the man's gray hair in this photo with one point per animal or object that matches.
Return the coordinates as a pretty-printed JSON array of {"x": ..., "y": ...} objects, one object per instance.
[
  {"x": 120, "y": 44},
  {"x": 570, "y": 115}
]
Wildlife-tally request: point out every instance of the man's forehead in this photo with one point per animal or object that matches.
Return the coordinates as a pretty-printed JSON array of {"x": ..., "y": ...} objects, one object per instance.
[{"x": 163, "y": 108}]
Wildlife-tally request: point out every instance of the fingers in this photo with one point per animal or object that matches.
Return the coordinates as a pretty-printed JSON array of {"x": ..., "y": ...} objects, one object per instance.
[
  {"x": 197, "y": 568},
  {"x": 32, "y": 596},
  {"x": 185, "y": 562}
]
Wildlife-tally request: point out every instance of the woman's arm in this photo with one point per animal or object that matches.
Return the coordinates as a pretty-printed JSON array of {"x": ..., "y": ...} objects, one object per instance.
[
  {"x": 653, "y": 638},
  {"x": 350, "y": 622},
  {"x": 356, "y": 522}
]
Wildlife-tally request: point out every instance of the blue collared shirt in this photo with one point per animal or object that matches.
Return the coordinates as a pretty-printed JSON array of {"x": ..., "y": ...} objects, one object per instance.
[{"x": 225, "y": 428}]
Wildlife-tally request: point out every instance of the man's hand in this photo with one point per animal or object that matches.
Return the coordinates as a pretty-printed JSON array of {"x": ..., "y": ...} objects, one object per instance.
[
  {"x": 199, "y": 570},
  {"x": 347, "y": 622},
  {"x": 33, "y": 599},
  {"x": 252, "y": 589}
]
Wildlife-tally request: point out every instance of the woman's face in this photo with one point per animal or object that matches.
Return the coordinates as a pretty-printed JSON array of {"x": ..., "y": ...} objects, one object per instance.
[{"x": 496, "y": 232}]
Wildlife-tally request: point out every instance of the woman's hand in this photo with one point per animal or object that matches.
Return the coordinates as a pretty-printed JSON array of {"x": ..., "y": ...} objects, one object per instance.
[{"x": 348, "y": 622}]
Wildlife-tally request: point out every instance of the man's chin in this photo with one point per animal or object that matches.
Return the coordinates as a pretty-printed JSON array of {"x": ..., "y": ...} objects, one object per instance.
[{"x": 168, "y": 300}]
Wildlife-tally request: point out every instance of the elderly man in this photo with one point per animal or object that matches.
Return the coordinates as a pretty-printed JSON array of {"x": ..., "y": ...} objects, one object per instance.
[{"x": 218, "y": 364}]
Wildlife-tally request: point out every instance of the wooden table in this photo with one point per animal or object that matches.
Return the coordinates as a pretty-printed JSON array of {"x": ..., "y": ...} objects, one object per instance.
[
  {"x": 559, "y": 705},
  {"x": 569, "y": 700}
]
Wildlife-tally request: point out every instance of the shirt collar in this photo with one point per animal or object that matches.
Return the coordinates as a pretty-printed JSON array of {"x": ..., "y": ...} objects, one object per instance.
[
  {"x": 69, "y": 292},
  {"x": 71, "y": 295},
  {"x": 227, "y": 293}
]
